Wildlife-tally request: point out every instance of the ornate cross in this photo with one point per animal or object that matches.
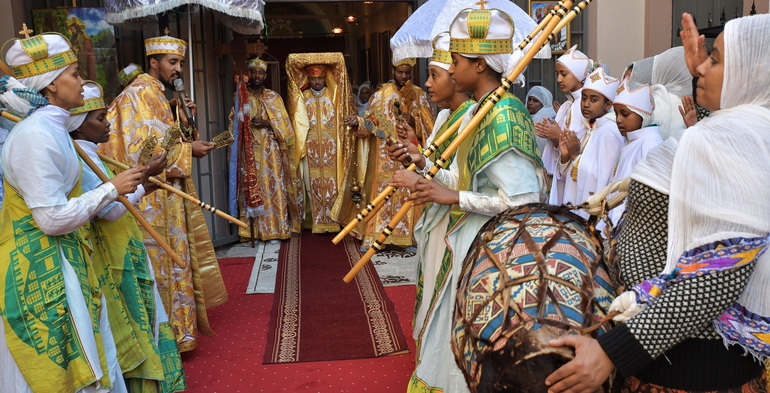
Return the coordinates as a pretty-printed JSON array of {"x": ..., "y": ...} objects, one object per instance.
[
  {"x": 481, "y": 3},
  {"x": 239, "y": 48},
  {"x": 24, "y": 30}
]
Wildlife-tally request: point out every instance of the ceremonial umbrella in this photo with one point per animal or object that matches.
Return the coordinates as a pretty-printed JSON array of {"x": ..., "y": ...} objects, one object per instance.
[
  {"x": 415, "y": 37},
  {"x": 243, "y": 16}
]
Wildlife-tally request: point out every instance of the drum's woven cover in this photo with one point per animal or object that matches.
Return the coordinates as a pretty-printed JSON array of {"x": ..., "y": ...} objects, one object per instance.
[{"x": 553, "y": 278}]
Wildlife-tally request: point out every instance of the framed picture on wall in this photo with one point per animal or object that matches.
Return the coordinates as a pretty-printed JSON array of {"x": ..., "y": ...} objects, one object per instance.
[
  {"x": 92, "y": 39},
  {"x": 539, "y": 10}
]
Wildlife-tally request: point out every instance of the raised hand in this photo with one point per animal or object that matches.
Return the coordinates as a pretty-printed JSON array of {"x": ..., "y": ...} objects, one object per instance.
[
  {"x": 548, "y": 129},
  {"x": 569, "y": 145},
  {"x": 201, "y": 148},
  {"x": 688, "y": 111},
  {"x": 402, "y": 149},
  {"x": 694, "y": 44}
]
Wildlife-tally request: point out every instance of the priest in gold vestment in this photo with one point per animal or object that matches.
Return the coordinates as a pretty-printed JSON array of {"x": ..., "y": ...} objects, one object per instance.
[
  {"x": 140, "y": 112},
  {"x": 320, "y": 98},
  {"x": 383, "y": 113},
  {"x": 266, "y": 163}
]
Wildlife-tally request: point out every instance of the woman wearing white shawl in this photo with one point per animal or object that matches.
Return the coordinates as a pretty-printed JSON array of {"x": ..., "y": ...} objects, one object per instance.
[
  {"x": 362, "y": 97},
  {"x": 707, "y": 185},
  {"x": 669, "y": 70},
  {"x": 540, "y": 106},
  {"x": 71, "y": 348}
]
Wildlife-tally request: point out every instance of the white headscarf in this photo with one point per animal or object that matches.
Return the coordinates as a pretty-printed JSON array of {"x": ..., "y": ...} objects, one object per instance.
[
  {"x": 711, "y": 170},
  {"x": 546, "y": 98},
  {"x": 668, "y": 69},
  {"x": 362, "y": 105}
]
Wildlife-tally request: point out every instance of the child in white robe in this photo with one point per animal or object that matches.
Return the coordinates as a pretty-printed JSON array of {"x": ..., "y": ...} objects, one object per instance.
[
  {"x": 634, "y": 108},
  {"x": 572, "y": 68},
  {"x": 587, "y": 156}
]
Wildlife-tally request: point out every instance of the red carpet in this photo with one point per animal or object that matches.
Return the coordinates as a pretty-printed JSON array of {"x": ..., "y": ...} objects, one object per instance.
[
  {"x": 231, "y": 361},
  {"x": 316, "y": 316}
]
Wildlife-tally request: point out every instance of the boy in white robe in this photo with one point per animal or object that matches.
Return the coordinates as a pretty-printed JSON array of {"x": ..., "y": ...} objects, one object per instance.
[
  {"x": 587, "y": 156},
  {"x": 572, "y": 68},
  {"x": 633, "y": 108}
]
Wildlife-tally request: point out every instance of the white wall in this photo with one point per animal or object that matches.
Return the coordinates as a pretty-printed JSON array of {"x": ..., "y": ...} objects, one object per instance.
[{"x": 616, "y": 33}]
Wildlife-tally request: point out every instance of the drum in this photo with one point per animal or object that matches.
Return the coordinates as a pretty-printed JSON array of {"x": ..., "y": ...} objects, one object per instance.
[{"x": 532, "y": 274}]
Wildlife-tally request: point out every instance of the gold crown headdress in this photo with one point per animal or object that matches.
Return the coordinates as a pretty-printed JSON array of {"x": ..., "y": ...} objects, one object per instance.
[
  {"x": 93, "y": 96},
  {"x": 441, "y": 55},
  {"x": 165, "y": 44},
  {"x": 38, "y": 54},
  {"x": 256, "y": 63},
  {"x": 410, "y": 61},
  {"x": 126, "y": 74},
  {"x": 489, "y": 31}
]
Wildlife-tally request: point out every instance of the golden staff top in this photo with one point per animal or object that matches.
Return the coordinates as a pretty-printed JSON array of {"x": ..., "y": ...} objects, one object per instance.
[
  {"x": 492, "y": 99},
  {"x": 374, "y": 206}
]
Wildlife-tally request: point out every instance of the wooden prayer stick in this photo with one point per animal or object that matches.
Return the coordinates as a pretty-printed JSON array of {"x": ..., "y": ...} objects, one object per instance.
[
  {"x": 494, "y": 97},
  {"x": 181, "y": 193},
  {"x": 540, "y": 26},
  {"x": 379, "y": 206},
  {"x": 11, "y": 116},
  {"x": 133, "y": 210}
]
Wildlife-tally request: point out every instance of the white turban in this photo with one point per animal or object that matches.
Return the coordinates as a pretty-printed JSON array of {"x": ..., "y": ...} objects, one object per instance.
[{"x": 12, "y": 91}]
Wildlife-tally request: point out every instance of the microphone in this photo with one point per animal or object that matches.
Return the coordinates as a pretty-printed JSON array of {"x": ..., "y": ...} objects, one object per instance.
[{"x": 179, "y": 87}]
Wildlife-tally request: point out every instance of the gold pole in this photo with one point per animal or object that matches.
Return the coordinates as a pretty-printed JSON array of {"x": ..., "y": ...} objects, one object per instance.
[
  {"x": 494, "y": 97},
  {"x": 181, "y": 193},
  {"x": 133, "y": 210}
]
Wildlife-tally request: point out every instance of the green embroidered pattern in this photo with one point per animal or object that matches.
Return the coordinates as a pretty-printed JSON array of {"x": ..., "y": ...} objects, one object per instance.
[
  {"x": 507, "y": 125},
  {"x": 36, "y": 305}
]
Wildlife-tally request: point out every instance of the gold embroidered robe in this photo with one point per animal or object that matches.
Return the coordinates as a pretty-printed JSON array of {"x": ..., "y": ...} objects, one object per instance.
[
  {"x": 141, "y": 111},
  {"x": 320, "y": 162},
  {"x": 278, "y": 176},
  {"x": 381, "y": 169}
]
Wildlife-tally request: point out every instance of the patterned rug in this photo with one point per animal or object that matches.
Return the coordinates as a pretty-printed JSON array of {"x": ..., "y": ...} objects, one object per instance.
[
  {"x": 316, "y": 316},
  {"x": 396, "y": 267},
  {"x": 263, "y": 273}
]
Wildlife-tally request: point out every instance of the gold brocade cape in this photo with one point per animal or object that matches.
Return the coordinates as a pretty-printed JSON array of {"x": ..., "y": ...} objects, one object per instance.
[
  {"x": 324, "y": 156},
  {"x": 278, "y": 177},
  {"x": 139, "y": 112},
  {"x": 39, "y": 328},
  {"x": 372, "y": 164}
]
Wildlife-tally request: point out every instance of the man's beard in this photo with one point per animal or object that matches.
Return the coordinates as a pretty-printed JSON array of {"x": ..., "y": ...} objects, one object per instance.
[
  {"x": 168, "y": 83},
  {"x": 253, "y": 84}
]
